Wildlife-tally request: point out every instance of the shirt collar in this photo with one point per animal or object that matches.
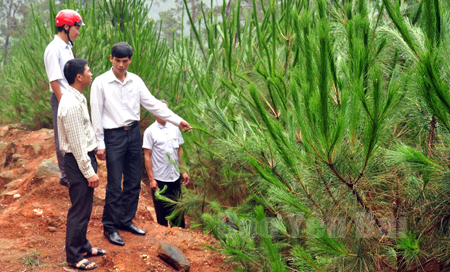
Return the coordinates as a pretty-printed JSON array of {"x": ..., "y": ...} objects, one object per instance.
[
  {"x": 77, "y": 94},
  {"x": 160, "y": 126},
  {"x": 62, "y": 43},
  {"x": 112, "y": 77}
]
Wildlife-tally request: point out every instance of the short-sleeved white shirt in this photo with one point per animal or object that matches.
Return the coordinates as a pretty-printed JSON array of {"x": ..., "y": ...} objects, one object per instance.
[
  {"x": 163, "y": 141},
  {"x": 56, "y": 55}
]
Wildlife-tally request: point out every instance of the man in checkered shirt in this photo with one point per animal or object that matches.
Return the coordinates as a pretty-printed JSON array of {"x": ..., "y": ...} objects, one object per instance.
[{"x": 77, "y": 139}]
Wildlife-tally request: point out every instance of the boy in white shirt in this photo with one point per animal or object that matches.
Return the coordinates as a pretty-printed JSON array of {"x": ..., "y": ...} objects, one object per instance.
[{"x": 161, "y": 141}]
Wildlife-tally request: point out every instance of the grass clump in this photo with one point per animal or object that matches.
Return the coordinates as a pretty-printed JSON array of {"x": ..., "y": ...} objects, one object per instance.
[{"x": 31, "y": 259}]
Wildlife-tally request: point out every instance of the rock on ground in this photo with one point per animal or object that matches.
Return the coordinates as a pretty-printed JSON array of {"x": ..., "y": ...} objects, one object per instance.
[
  {"x": 172, "y": 255},
  {"x": 46, "y": 169}
]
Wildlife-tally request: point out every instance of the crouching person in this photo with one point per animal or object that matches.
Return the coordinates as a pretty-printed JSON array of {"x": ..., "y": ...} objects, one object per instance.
[{"x": 77, "y": 139}]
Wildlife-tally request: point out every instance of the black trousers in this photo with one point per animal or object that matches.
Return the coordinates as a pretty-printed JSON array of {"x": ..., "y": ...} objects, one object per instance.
[
  {"x": 81, "y": 197},
  {"x": 164, "y": 209},
  {"x": 123, "y": 158}
]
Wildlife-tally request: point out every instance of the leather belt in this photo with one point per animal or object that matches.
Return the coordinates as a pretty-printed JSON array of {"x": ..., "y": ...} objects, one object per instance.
[
  {"x": 131, "y": 125},
  {"x": 90, "y": 153}
]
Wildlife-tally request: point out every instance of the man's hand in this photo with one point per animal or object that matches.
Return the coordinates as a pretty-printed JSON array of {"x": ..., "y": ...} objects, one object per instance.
[
  {"x": 56, "y": 89},
  {"x": 185, "y": 178},
  {"x": 93, "y": 181},
  {"x": 153, "y": 185},
  {"x": 101, "y": 154},
  {"x": 59, "y": 97},
  {"x": 185, "y": 126}
]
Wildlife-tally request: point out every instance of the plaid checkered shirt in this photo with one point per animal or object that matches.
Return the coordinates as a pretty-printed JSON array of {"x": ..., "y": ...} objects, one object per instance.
[{"x": 76, "y": 135}]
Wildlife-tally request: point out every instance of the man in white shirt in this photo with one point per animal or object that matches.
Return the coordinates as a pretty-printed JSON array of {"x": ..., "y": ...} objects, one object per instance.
[
  {"x": 57, "y": 53},
  {"x": 77, "y": 139},
  {"x": 116, "y": 97},
  {"x": 162, "y": 141}
]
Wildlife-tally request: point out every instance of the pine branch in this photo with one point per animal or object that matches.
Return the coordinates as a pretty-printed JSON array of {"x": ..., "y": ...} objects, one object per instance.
[{"x": 327, "y": 187}]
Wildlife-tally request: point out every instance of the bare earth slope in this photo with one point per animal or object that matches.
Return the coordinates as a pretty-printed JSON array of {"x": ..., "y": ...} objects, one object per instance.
[{"x": 33, "y": 217}]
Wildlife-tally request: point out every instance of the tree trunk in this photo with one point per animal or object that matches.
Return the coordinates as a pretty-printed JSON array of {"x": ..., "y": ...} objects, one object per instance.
[
  {"x": 227, "y": 10},
  {"x": 432, "y": 136},
  {"x": 8, "y": 29},
  {"x": 194, "y": 14},
  {"x": 5, "y": 60},
  {"x": 10, "y": 24}
]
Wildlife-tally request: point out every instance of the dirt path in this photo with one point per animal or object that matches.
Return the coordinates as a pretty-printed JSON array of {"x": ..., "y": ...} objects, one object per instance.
[{"x": 33, "y": 217}]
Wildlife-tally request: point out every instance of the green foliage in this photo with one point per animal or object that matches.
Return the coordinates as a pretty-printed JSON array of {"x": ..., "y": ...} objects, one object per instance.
[
  {"x": 314, "y": 90},
  {"x": 31, "y": 259},
  {"x": 320, "y": 137},
  {"x": 23, "y": 98},
  {"x": 107, "y": 22}
]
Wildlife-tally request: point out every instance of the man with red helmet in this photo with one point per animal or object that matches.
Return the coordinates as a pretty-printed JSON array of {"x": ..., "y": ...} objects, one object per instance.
[{"x": 57, "y": 53}]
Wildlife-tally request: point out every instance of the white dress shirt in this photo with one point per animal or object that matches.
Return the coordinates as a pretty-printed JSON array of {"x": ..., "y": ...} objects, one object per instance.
[
  {"x": 164, "y": 141},
  {"x": 75, "y": 131},
  {"x": 56, "y": 55},
  {"x": 115, "y": 104}
]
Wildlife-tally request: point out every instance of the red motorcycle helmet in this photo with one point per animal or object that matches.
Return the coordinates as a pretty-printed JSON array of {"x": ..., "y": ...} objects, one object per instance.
[{"x": 68, "y": 17}]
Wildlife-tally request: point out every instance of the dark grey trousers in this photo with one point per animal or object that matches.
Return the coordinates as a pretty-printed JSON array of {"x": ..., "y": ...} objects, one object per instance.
[
  {"x": 81, "y": 197},
  {"x": 123, "y": 158},
  {"x": 164, "y": 209},
  {"x": 59, "y": 153}
]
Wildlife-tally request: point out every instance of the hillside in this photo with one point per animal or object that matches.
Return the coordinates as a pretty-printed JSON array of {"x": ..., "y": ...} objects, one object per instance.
[{"x": 33, "y": 217}]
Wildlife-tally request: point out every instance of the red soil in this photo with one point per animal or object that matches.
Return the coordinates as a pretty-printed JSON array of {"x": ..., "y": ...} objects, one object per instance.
[{"x": 35, "y": 221}]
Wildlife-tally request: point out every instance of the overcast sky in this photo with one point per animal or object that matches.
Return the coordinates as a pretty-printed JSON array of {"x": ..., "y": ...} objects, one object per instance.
[{"x": 159, "y": 6}]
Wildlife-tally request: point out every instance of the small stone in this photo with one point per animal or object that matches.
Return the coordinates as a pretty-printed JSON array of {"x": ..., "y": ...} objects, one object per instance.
[
  {"x": 12, "y": 183},
  {"x": 45, "y": 131},
  {"x": 16, "y": 126},
  {"x": 16, "y": 196},
  {"x": 172, "y": 255},
  {"x": 36, "y": 148},
  {"x": 19, "y": 163},
  {"x": 15, "y": 156},
  {"x": 10, "y": 193},
  {"x": 3, "y": 130},
  {"x": 51, "y": 229},
  {"x": 46, "y": 169},
  {"x": 7, "y": 175},
  {"x": 99, "y": 197},
  {"x": 38, "y": 211}
]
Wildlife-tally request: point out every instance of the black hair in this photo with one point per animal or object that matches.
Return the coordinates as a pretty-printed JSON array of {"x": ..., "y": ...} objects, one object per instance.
[
  {"x": 122, "y": 50},
  {"x": 74, "y": 67},
  {"x": 60, "y": 28}
]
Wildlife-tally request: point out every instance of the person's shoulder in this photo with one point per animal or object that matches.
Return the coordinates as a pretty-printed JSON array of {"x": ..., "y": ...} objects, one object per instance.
[
  {"x": 150, "y": 129},
  {"x": 52, "y": 47},
  {"x": 134, "y": 77},
  {"x": 68, "y": 103},
  {"x": 68, "y": 99}
]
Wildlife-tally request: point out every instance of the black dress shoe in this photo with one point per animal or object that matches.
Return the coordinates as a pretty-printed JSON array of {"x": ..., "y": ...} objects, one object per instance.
[
  {"x": 133, "y": 229},
  {"x": 114, "y": 238}
]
